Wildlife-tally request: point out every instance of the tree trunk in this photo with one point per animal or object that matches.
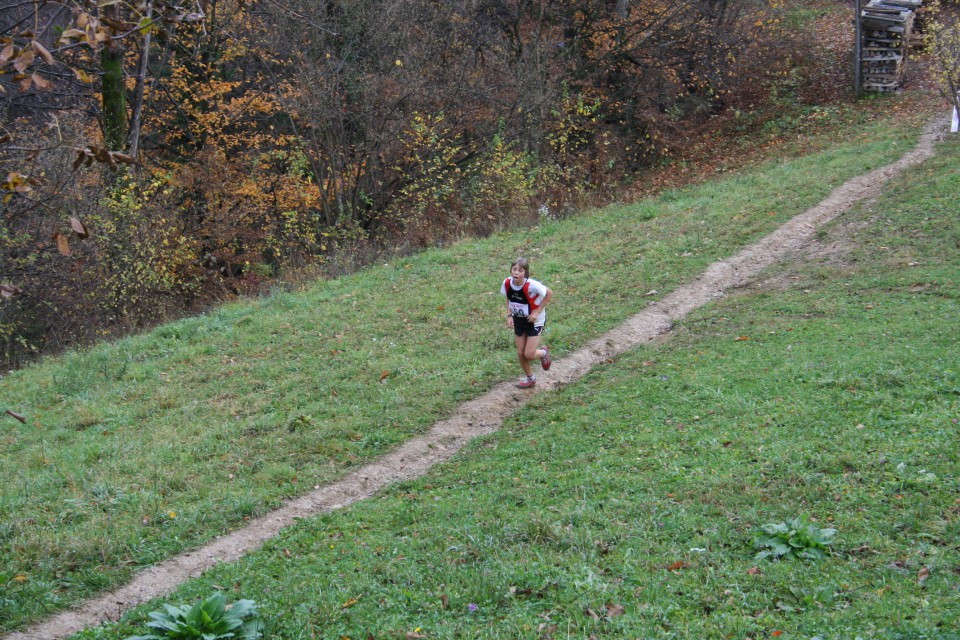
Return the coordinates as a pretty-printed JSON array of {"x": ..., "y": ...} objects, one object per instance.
[
  {"x": 137, "y": 110},
  {"x": 113, "y": 93},
  {"x": 622, "y": 9}
]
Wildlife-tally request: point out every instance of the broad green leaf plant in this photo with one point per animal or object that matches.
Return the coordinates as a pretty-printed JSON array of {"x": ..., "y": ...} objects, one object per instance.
[
  {"x": 799, "y": 538},
  {"x": 208, "y": 619}
]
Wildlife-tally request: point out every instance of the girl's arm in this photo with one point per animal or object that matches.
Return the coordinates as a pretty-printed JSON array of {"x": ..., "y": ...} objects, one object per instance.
[{"x": 546, "y": 299}]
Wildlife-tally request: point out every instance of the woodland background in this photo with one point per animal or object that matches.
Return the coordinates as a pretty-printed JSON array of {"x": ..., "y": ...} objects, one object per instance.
[{"x": 157, "y": 158}]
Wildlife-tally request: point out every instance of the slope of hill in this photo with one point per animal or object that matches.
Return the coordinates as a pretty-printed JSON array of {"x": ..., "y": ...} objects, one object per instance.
[{"x": 136, "y": 450}]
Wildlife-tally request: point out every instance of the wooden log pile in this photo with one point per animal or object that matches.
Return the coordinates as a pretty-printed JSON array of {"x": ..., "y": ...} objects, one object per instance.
[{"x": 886, "y": 29}]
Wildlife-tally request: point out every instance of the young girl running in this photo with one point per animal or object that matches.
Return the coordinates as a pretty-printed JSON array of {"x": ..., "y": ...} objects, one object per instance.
[{"x": 526, "y": 299}]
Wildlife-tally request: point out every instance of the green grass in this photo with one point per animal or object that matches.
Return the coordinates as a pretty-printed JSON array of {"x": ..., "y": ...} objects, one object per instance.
[
  {"x": 842, "y": 404},
  {"x": 624, "y": 506},
  {"x": 136, "y": 450}
]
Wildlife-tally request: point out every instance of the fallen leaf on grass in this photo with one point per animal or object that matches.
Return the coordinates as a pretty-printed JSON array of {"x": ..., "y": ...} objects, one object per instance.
[
  {"x": 614, "y": 610},
  {"x": 676, "y": 566},
  {"x": 742, "y": 338},
  {"x": 383, "y": 376},
  {"x": 923, "y": 574},
  {"x": 753, "y": 571}
]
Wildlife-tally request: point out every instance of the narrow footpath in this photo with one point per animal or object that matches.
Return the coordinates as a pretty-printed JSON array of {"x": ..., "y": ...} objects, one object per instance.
[{"x": 486, "y": 414}]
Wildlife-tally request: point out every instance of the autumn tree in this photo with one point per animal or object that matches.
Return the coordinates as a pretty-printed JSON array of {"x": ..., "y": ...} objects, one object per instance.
[
  {"x": 88, "y": 249},
  {"x": 942, "y": 37},
  {"x": 371, "y": 74}
]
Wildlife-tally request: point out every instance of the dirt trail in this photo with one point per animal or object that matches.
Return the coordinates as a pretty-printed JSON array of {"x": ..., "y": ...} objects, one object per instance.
[{"x": 486, "y": 414}]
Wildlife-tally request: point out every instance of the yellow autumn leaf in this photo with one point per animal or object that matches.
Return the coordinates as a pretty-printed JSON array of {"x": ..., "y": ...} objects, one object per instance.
[
  {"x": 83, "y": 76},
  {"x": 248, "y": 188}
]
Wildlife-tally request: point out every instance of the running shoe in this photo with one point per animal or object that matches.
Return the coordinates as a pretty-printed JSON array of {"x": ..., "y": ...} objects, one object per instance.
[
  {"x": 545, "y": 361},
  {"x": 526, "y": 383}
]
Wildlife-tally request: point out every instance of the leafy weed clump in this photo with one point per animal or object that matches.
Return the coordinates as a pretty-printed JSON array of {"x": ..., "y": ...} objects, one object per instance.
[
  {"x": 209, "y": 619},
  {"x": 797, "y": 538}
]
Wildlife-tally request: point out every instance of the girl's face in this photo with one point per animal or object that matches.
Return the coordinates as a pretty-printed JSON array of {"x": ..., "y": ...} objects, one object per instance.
[{"x": 516, "y": 272}]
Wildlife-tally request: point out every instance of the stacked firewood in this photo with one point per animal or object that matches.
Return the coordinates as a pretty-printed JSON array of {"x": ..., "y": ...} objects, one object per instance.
[{"x": 886, "y": 29}]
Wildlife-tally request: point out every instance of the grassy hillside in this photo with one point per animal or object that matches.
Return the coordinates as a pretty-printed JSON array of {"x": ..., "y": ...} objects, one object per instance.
[
  {"x": 625, "y": 506},
  {"x": 136, "y": 450}
]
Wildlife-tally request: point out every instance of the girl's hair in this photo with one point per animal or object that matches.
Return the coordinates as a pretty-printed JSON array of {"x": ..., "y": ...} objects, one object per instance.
[{"x": 524, "y": 264}]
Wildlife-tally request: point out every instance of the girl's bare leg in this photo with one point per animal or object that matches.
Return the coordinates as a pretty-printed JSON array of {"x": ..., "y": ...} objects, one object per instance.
[
  {"x": 522, "y": 342},
  {"x": 532, "y": 350}
]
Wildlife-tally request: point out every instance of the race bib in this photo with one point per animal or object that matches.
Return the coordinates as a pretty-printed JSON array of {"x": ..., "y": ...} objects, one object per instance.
[{"x": 519, "y": 309}]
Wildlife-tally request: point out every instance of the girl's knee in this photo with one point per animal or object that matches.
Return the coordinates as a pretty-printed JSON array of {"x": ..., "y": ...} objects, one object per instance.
[{"x": 531, "y": 354}]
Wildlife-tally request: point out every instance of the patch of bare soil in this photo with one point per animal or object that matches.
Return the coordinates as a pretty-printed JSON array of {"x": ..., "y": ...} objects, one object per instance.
[{"x": 486, "y": 414}]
